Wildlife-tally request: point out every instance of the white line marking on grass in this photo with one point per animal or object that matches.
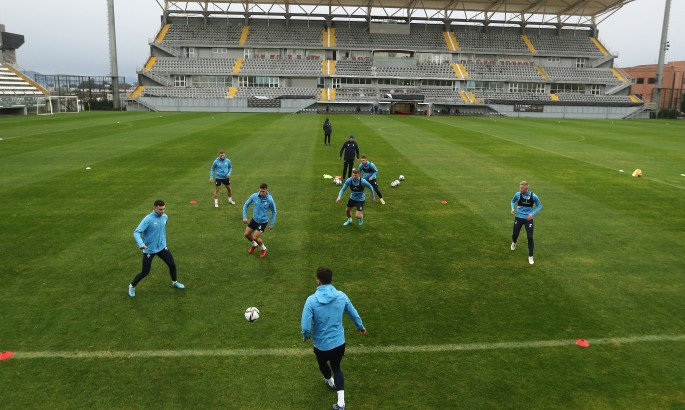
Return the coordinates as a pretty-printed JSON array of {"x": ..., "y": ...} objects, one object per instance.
[
  {"x": 82, "y": 354},
  {"x": 551, "y": 152}
]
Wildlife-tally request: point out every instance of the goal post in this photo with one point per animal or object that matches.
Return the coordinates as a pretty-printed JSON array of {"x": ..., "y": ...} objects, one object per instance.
[{"x": 58, "y": 105}]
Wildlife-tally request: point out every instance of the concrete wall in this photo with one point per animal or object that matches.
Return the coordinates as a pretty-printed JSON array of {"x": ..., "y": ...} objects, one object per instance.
[
  {"x": 219, "y": 105},
  {"x": 556, "y": 111}
]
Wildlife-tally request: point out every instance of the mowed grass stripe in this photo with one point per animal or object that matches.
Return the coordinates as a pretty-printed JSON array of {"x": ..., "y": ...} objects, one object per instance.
[{"x": 353, "y": 350}]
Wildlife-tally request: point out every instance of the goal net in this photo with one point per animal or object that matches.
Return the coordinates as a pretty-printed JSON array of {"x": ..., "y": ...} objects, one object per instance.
[{"x": 57, "y": 105}]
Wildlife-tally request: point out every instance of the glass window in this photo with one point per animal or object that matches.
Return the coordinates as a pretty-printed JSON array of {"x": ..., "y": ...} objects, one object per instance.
[
  {"x": 652, "y": 80},
  {"x": 640, "y": 80},
  {"x": 596, "y": 89},
  {"x": 179, "y": 81}
]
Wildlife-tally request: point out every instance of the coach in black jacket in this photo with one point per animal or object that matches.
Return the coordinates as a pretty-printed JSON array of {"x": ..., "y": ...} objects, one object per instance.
[
  {"x": 327, "y": 129},
  {"x": 351, "y": 148}
]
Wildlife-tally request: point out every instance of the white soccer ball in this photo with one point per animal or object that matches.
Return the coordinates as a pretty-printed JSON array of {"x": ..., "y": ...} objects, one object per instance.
[
  {"x": 401, "y": 178},
  {"x": 337, "y": 181},
  {"x": 251, "y": 314},
  {"x": 395, "y": 183}
]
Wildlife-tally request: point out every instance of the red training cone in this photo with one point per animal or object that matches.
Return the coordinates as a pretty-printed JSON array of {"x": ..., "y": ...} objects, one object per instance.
[
  {"x": 6, "y": 355},
  {"x": 582, "y": 343}
]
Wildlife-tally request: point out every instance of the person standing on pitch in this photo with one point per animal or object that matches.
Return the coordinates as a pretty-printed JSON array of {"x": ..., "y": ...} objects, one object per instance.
[
  {"x": 325, "y": 309},
  {"x": 263, "y": 201},
  {"x": 327, "y": 130},
  {"x": 222, "y": 167},
  {"x": 369, "y": 173},
  {"x": 350, "y": 149},
  {"x": 522, "y": 209},
  {"x": 150, "y": 235},
  {"x": 357, "y": 196}
]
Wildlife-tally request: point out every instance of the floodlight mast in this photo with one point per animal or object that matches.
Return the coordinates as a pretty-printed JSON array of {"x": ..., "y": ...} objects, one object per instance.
[
  {"x": 662, "y": 55},
  {"x": 114, "y": 69}
]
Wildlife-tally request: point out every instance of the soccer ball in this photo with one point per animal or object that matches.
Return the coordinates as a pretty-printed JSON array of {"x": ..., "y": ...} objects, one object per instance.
[
  {"x": 251, "y": 314},
  {"x": 401, "y": 178},
  {"x": 337, "y": 181},
  {"x": 395, "y": 183}
]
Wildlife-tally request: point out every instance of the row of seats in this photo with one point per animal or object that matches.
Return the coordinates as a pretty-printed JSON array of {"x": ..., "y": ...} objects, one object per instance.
[
  {"x": 194, "y": 66},
  {"x": 490, "y": 42},
  {"x": 360, "y": 38},
  {"x": 422, "y": 37},
  {"x": 273, "y": 92},
  {"x": 582, "y": 74},
  {"x": 281, "y": 67},
  {"x": 185, "y": 92},
  {"x": 285, "y": 37},
  {"x": 502, "y": 72},
  {"x": 182, "y": 34},
  {"x": 208, "y": 66},
  {"x": 523, "y": 96},
  {"x": 577, "y": 97}
]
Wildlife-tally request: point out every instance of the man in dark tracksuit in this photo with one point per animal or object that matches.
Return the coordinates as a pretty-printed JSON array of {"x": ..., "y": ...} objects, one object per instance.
[
  {"x": 351, "y": 150},
  {"x": 327, "y": 129}
]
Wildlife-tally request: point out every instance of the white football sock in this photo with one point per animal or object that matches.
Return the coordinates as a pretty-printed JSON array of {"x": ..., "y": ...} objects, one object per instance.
[
  {"x": 263, "y": 246},
  {"x": 341, "y": 398},
  {"x": 254, "y": 243},
  {"x": 216, "y": 200}
]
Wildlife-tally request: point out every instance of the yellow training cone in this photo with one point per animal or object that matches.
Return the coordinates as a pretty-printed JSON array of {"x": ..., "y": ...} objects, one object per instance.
[{"x": 637, "y": 173}]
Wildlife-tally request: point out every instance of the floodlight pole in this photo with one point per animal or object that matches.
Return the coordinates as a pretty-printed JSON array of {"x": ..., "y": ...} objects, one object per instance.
[
  {"x": 662, "y": 54},
  {"x": 113, "y": 55}
]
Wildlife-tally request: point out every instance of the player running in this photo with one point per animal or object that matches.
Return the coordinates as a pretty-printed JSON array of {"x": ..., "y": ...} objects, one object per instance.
[
  {"x": 522, "y": 207},
  {"x": 369, "y": 173},
  {"x": 263, "y": 201},
  {"x": 357, "y": 196}
]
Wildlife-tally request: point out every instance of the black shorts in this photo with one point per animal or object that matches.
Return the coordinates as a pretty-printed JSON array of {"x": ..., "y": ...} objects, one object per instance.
[
  {"x": 257, "y": 226},
  {"x": 355, "y": 204},
  {"x": 225, "y": 181}
]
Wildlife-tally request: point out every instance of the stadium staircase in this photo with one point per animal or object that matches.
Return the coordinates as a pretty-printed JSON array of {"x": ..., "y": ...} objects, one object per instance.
[
  {"x": 243, "y": 35},
  {"x": 232, "y": 92},
  {"x": 599, "y": 46},
  {"x": 460, "y": 71},
  {"x": 542, "y": 72},
  {"x": 529, "y": 44},
  {"x": 328, "y": 38},
  {"x": 623, "y": 78},
  {"x": 554, "y": 97},
  {"x": 451, "y": 41},
  {"x": 238, "y": 65}
]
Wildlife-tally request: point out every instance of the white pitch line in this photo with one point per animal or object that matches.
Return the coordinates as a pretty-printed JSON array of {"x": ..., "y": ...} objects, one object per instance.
[{"x": 82, "y": 354}]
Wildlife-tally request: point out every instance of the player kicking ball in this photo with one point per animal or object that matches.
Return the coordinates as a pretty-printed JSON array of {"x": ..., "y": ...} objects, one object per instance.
[
  {"x": 357, "y": 196},
  {"x": 263, "y": 201}
]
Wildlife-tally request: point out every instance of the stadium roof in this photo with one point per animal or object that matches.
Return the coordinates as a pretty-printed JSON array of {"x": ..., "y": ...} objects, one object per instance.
[{"x": 544, "y": 12}]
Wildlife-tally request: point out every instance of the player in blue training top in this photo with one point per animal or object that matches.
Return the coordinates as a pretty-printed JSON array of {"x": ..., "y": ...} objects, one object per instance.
[
  {"x": 150, "y": 235},
  {"x": 322, "y": 319},
  {"x": 370, "y": 172},
  {"x": 263, "y": 201},
  {"x": 357, "y": 197},
  {"x": 222, "y": 167},
  {"x": 522, "y": 208}
]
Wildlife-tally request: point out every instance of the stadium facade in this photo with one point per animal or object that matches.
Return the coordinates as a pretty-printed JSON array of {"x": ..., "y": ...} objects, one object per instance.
[{"x": 519, "y": 58}]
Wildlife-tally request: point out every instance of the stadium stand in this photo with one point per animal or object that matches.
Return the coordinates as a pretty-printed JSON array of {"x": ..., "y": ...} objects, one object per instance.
[{"x": 342, "y": 63}]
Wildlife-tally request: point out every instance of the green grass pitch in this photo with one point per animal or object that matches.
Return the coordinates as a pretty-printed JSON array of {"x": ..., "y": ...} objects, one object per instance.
[{"x": 609, "y": 262}]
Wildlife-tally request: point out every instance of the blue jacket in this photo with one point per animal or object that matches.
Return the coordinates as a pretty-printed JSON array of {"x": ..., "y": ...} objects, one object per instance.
[
  {"x": 357, "y": 196},
  {"x": 524, "y": 211},
  {"x": 325, "y": 307},
  {"x": 151, "y": 232},
  {"x": 369, "y": 170},
  {"x": 260, "y": 212},
  {"x": 222, "y": 168}
]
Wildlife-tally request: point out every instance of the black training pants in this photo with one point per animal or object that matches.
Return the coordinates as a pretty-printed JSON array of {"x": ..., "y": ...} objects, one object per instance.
[
  {"x": 334, "y": 356},
  {"x": 347, "y": 169},
  {"x": 164, "y": 255},
  {"x": 518, "y": 223}
]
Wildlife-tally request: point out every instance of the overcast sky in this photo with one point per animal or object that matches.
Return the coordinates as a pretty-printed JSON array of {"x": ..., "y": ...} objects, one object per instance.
[{"x": 70, "y": 36}]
